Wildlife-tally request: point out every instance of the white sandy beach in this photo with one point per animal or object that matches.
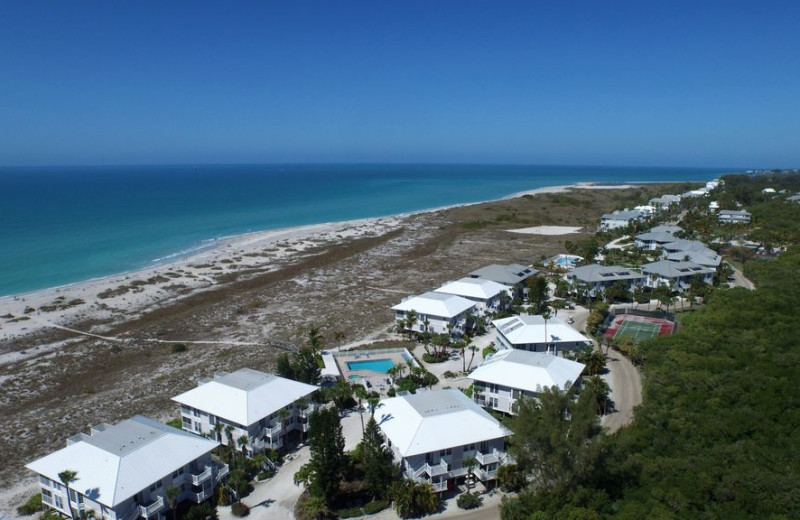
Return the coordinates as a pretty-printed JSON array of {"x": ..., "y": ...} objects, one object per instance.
[{"x": 123, "y": 296}]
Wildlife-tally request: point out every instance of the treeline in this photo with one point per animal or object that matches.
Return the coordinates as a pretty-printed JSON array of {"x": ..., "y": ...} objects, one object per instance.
[{"x": 718, "y": 434}]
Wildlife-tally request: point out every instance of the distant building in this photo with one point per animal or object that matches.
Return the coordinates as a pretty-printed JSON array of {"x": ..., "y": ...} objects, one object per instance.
[
  {"x": 442, "y": 312},
  {"x": 620, "y": 219},
  {"x": 508, "y": 375},
  {"x": 263, "y": 406},
  {"x": 729, "y": 216},
  {"x": 653, "y": 240},
  {"x": 693, "y": 251},
  {"x": 532, "y": 333},
  {"x": 510, "y": 275},
  {"x": 431, "y": 433},
  {"x": 485, "y": 293},
  {"x": 124, "y": 470},
  {"x": 665, "y": 202},
  {"x": 597, "y": 278},
  {"x": 676, "y": 275}
]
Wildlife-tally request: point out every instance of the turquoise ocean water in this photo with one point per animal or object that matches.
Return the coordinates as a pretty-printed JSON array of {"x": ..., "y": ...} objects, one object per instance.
[{"x": 69, "y": 224}]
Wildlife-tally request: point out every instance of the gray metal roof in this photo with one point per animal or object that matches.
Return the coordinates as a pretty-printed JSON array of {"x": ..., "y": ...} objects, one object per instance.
[
  {"x": 604, "y": 273},
  {"x": 246, "y": 379},
  {"x": 622, "y": 215},
  {"x": 669, "y": 269},
  {"x": 507, "y": 274}
]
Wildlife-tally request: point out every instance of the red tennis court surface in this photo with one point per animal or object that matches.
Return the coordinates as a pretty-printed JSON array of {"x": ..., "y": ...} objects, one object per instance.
[{"x": 639, "y": 328}]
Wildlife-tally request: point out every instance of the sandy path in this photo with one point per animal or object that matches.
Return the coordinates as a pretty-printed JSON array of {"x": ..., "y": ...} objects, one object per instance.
[{"x": 626, "y": 391}]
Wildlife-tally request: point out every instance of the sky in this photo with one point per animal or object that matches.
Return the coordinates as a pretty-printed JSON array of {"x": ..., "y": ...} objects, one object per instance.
[{"x": 665, "y": 83}]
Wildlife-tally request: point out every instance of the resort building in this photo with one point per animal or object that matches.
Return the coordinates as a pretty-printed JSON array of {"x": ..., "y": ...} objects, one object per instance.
[
  {"x": 729, "y": 216},
  {"x": 265, "y": 407},
  {"x": 653, "y": 240},
  {"x": 124, "y": 471},
  {"x": 597, "y": 278},
  {"x": 431, "y": 433},
  {"x": 505, "y": 377},
  {"x": 435, "y": 312},
  {"x": 676, "y": 275},
  {"x": 535, "y": 334},
  {"x": 486, "y": 294},
  {"x": 510, "y": 275},
  {"x": 664, "y": 202},
  {"x": 692, "y": 251},
  {"x": 619, "y": 219},
  {"x": 666, "y": 228}
]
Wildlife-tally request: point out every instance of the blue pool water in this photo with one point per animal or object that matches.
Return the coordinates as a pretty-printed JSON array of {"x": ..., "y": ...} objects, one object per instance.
[{"x": 375, "y": 365}]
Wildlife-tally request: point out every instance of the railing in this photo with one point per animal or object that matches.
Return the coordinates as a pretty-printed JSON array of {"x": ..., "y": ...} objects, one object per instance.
[
  {"x": 202, "y": 477},
  {"x": 130, "y": 515},
  {"x": 433, "y": 471},
  {"x": 222, "y": 472},
  {"x": 148, "y": 511},
  {"x": 47, "y": 500},
  {"x": 485, "y": 474},
  {"x": 487, "y": 458},
  {"x": 199, "y": 497},
  {"x": 439, "y": 486},
  {"x": 305, "y": 413},
  {"x": 274, "y": 430}
]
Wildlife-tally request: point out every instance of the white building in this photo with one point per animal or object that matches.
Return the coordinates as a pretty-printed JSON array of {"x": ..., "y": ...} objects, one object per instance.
[
  {"x": 619, "y": 219},
  {"x": 730, "y": 216},
  {"x": 597, "y": 278},
  {"x": 653, "y": 240},
  {"x": 436, "y": 312},
  {"x": 263, "y": 406},
  {"x": 533, "y": 333},
  {"x": 508, "y": 375},
  {"x": 124, "y": 471},
  {"x": 676, "y": 275},
  {"x": 665, "y": 202},
  {"x": 430, "y": 433},
  {"x": 485, "y": 293},
  {"x": 692, "y": 251}
]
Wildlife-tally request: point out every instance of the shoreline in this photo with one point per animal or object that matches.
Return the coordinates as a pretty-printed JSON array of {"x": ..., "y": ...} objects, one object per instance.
[{"x": 127, "y": 293}]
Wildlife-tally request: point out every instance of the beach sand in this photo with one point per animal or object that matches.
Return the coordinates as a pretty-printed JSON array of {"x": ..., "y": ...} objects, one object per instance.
[{"x": 99, "y": 351}]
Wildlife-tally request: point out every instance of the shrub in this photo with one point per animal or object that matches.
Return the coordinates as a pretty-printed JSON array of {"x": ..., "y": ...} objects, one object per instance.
[
  {"x": 469, "y": 500},
  {"x": 376, "y": 505},
  {"x": 351, "y": 512},
  {"x": 239, "y": 509},
  {"x": 178, "y": 347},
  {"x": 175, "y": 423},
  {"x": 448, "y": 374},
  {"x": 439, "y": 358},
  {"x": 264, "y": 475},
  {"x": 33, "y": 505}
]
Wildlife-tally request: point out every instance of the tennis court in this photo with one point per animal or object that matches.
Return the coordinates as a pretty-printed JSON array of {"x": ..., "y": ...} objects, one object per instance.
[{"x": 638, "y": 328}]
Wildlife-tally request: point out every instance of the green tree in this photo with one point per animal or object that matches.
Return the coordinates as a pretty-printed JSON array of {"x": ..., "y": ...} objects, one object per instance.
[
  {"x": 328, "y": 461},
  {"x": 556, "y": 438},
  {"x": 67, "y": 477},
  {"x": 413, "y": 498},
  {"x": 379, "y": 471},
  {"x": 172, "y": 494}
]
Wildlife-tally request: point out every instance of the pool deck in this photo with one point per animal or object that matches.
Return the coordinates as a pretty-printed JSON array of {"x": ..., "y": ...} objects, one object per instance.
[{"x": 373, "y": 380}]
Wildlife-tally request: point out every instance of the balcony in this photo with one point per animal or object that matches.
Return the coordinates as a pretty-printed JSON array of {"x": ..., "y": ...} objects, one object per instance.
[
  {"x": 198, "y": 479},
  {"x": 274, "y": 431},
  {"x": 305, "y": 413},
  {"x": 222, "y": 472},
  {"x": 484, "y": 474},
  {"x": 488, "y": 458},
  {"x": 152, "y": 509},
  {"x": 199, "y": 497},
  {"x": 439, "y": 486},
  {"x": 433, "y": 471}
]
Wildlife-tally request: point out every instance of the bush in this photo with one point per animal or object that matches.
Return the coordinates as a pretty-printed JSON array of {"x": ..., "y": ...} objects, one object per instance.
[
  {"x": 239, "y": 509},
  {"x": 469, "y": 500},
  {"x": 264, "y": 475},
  {"x": 178, "y": 347},
  {"x": 175, "y": 423},
  {"x": 449, "y": 375},
  {"x": 438, "y": 358},
  {"x": 376, "y": 505},
  {"x": 351, "y": 512},
  {"x": 33, "y": 505}
]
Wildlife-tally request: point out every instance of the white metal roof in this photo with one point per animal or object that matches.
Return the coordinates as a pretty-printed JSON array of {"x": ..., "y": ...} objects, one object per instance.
[
  {"x": 435, "y": 420},
  {"x": 245, "y": 396},
  {"x": 477, "y": 288},
  {"x": 530, "y": 329},
  {"x": 531, "y": 371},
  {"x": 114, "y": 464},
  {"x": 435, "y": 304}
]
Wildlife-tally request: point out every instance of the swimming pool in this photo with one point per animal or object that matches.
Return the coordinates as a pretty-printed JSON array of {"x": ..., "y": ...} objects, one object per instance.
[{"x": 374, "y": 365}]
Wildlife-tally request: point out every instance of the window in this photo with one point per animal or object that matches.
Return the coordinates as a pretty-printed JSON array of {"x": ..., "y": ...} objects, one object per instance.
[
  {"x": 448, "y": 451},
  {"x": 212, "y": 420},
  {"x": 175, "y": 475},
  {"x": 195, "y": 412},
  {"x": 469, "y": 447},
  {"x": 197, "y": 427},
  {"x": 180, "y": 471},
  {"x": 44, "y": 480},
  {"x": 493, "y": 388},
  {"x": 47, "y": 493},
  {"x": 187, "y": 423},
  {"x": 59, "y": 502}
]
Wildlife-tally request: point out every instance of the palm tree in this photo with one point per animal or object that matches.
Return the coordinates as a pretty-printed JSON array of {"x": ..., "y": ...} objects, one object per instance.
[
  {"x": 473, "y": 349},
  {"x": 67, "y": 477},
  {"x": 218, "y": 431},
  {"x": 172, "y": 494},
  {"x": 546, "y": 316},
  {"x": 243, "y": 441},
  {"x": 231, "y": 444},
  {"x": 469, "y": 463},
  {"x": 411, "y": 319},
  {"x": 314, "y": 338}
]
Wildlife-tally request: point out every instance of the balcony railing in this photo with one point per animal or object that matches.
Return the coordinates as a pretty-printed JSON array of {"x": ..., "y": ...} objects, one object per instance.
[
  {"x": 485, "y": 474},
  {"x": 202, "y": 477},
  {"x": 222, "y": 472},
  {"x": 274, "y": 431},
  {"x": 432, "y": 470},
  {"x": 305, "y": 413},
  {"x": 487, "y": 458},
  {"x": 199, "y": 497},
  {"x": 132, "y": 514},
  {"x": 47, "y": 500},
  {"x": 150, "y": 510},
  {"x": 439, "y": 486}
]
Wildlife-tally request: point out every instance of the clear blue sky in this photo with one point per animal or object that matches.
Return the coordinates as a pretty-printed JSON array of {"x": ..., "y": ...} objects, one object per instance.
[{"x": 552, "y": 82}]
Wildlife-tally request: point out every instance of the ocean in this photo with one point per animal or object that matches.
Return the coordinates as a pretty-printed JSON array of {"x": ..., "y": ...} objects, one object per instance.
[{"x": 60, "y": 225}]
